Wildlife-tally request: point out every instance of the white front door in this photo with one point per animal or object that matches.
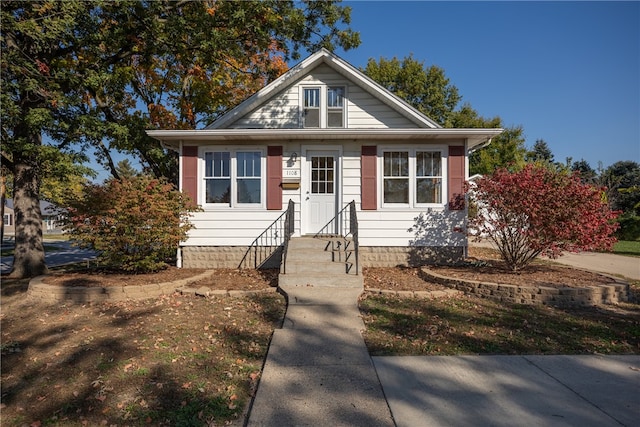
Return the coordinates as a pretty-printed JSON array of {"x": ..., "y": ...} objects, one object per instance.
[{"x": 321, "y": 192}]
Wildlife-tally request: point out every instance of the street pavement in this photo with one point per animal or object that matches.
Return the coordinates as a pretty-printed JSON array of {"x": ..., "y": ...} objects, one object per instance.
[{"x": 64, "y": 254}]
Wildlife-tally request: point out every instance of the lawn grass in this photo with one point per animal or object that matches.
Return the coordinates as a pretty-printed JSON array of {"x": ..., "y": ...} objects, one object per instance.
[
  {"x": 470, "y": 325},
  {"x": 627, "y": 247},
  {"x": 167, "y": 361}
]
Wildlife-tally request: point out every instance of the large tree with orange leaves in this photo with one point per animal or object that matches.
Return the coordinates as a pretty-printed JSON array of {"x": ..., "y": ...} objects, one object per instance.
[{"x": 89, "y": 77}]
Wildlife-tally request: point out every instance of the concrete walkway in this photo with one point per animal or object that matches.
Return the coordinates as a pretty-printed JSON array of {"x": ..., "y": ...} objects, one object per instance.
[{"x": 318, "y": 371}]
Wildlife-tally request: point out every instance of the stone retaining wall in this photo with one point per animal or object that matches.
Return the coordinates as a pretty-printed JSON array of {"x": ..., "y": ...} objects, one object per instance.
[
  {"x": 86, "y": 295},
  {"x": 542, "y": 295}
]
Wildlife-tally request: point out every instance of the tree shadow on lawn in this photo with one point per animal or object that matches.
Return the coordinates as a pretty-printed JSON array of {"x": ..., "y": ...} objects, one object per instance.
[
  {"x": 471, "y": 325},
  {"x": 131, "y": 363}
]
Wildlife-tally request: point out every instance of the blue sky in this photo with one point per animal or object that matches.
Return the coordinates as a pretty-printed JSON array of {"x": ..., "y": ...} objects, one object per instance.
[{"x": 568, "y": 72}]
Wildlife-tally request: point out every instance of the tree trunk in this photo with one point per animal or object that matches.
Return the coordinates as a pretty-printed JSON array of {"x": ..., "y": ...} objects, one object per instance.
[
  {"x": 3, "y": 193},
  {"x": 28, "y": 258}
]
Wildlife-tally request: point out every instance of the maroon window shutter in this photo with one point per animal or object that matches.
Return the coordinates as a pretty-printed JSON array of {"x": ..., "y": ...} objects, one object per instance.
[
  {"x": 456, "y": 177},
  {"x": 274, "y": 177},
  {"x": 190, "y": 171},
  {"x": 369, "y": 190}
]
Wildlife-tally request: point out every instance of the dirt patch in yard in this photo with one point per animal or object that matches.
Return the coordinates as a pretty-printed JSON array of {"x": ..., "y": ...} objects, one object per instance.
[
  {"x": 227, "y": 279},
  {"x": 483, "y": 265}
]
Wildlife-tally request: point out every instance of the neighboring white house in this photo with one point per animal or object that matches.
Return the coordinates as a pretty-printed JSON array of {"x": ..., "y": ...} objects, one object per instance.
[
  {"x": 323, "y": 135},
  {"x": 50, "y": 218}
]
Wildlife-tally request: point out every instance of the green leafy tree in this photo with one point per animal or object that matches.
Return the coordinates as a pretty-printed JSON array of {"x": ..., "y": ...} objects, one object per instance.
[
  {"x": 134, "y": 224},
  {"x": 507, "y": 150},
  {"x": 425, "y": 88},
  {"x": 587, "y": 173},
  {"x": 540, "y": 153},
  {"x": 126, "y": 170},
  {"x": 430, "y": 91},
  {"x": 540, "y": 211},
  {"x": 622, "y": 180},
  {"x": 92, "y": 76}
]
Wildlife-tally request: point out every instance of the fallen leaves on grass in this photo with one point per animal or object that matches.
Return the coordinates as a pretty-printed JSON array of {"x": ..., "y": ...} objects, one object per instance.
[
  {"x": 163, "y": 361},
  {"x": 470, "y": 325}
]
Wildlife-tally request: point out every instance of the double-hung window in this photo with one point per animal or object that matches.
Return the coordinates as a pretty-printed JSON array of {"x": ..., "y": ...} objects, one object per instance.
[
  {"x": 217, "y": 177},
  {"x": 233, "y": 178},
  {"x": 412, "y": 178},
  {"x": 428, "y": 177},
  {"x": 323, "y": 106},
  {"x": 335, "y": 107},
  {"x": 396, "y": 177},
  {"x": 311, "y": 117}
]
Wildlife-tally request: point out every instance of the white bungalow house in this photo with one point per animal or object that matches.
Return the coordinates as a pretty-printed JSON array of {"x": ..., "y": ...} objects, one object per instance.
[{"x": 321, "y": 137}]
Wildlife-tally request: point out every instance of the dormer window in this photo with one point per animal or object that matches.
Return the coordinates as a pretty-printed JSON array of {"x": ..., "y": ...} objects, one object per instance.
[
  {"x": 311, "y": 118},
  {"x": 335, "y": 107},
  {"x": 323, "y": 107}
]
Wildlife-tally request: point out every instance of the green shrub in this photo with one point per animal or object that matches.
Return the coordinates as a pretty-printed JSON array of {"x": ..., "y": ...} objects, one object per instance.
[
  {"x": 134, "y": 224},
  {"x": 629, "y": 227}
]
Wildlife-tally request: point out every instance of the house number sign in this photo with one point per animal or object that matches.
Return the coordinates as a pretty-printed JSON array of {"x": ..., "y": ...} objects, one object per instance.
[{"x": 291, "y": 175}]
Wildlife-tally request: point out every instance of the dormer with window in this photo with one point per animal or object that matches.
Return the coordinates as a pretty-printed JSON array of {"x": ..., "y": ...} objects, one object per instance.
[{"x": 323, "y": 106}]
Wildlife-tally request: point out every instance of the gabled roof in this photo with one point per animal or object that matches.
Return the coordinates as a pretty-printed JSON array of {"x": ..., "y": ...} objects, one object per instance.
[{"x": 342, "y": 67}]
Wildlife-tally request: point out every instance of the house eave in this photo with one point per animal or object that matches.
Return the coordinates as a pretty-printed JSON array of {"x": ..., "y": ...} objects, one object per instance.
[{"x": 474, "y": 137}]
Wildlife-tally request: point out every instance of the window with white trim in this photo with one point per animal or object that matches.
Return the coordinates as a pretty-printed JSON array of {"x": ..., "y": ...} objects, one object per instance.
[
  {"x": 311, "y": 112},
  {"x": 412, "y": 178},
  {"x": 323, "y": 106},
  {"x": 428, "y": 177},
  {"x": 234, "y": 178},
  {"x": 396, "y": 177},
  {"x": 335, "y": 107}
]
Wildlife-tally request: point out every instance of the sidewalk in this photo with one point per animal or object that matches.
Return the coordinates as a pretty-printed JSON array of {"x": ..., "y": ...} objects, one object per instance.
[{"x": 580, "y": 391}]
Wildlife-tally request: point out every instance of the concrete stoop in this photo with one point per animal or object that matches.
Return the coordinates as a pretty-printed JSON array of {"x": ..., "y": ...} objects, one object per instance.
[{"x": 321, "y": 262}]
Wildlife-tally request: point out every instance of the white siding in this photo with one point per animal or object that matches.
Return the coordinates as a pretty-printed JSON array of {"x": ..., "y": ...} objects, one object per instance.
[
  {"x": 382, "y": 227},
  {"x": 391, "y": 228},
  {"x": 281, "y": 112},
  {"x": 363, "y": 110}
]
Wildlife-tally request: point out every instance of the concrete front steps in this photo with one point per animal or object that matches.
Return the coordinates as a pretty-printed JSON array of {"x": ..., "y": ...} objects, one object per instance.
[{"x": 326, "y": 261}]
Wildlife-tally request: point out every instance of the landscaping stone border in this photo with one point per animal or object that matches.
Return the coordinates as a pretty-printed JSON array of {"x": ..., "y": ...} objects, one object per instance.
[
  {"x": 47, "y": 293},
  {"x": 414, "y": 294},
  {"x": 538, "y": 295}
]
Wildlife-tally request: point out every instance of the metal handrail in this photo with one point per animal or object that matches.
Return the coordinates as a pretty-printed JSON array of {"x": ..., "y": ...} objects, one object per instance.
[
  {"x": 290, "y": 227},
  {"x": 274, "y": 237},
  {"x": 343, "y": 225}
]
